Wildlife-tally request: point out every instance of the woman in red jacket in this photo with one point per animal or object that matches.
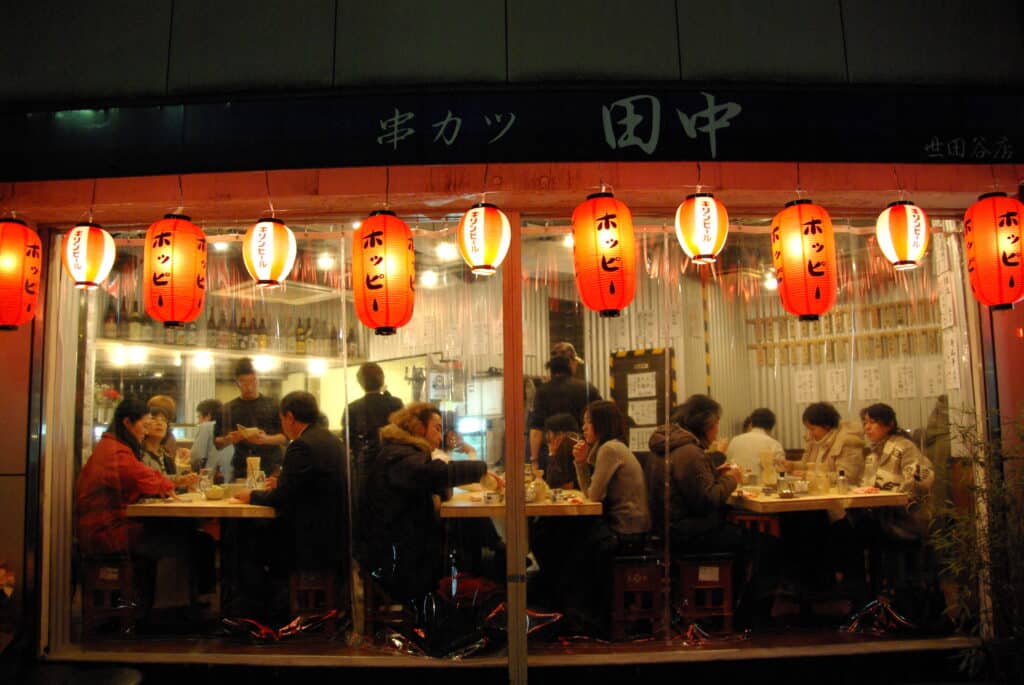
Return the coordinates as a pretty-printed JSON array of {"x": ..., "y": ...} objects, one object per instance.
[{"x": 112, "y": 478}]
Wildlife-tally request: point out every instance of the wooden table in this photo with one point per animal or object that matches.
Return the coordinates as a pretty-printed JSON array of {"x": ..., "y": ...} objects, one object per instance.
[
  {"x": 773, "y": 504},
  {"x": 200, "y": 508},
  {"x": 461, "y": 505}
]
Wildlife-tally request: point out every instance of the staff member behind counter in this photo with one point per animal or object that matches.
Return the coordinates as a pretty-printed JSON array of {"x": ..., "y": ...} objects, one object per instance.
[{"x": 251, "y": 410}]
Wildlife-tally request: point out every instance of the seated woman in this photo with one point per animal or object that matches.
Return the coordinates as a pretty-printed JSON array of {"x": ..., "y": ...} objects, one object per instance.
[
  {"x": 114, "y": 477},
  {"x": 204, "y": 454},
  {"x": 561, "y": 432},
  {"x": 402, "y": 539},
  {"x": 835, "y": 446},
  {"x": 901, "y": 466},
  {"x": 698, "y": 496},
  {"x": 155, "y": 453},
  {"x": 608, "y": 472}
]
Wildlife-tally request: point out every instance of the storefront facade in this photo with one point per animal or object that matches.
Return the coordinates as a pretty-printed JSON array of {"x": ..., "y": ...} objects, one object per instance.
[{"x": 324, "y": 161}]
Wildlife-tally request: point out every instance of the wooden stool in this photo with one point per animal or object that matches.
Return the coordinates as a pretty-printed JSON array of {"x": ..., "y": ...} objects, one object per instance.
[
  {"x": 108, "y": 592},
  {"x": 761, "y": 523},
  {"x": 705, "y": 587},
  {"x": 379, "y": 610},
  {"x": 313, "y": 593},
  {"x": 638, "y": 594}
]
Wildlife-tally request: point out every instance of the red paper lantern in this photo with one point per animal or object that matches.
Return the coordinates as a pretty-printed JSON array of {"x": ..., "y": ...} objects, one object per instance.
[
  {"x": 902, "y": 233},
  {"x": 21, "y": 266},
  {"x": 804, "y": 257},
  {"x": 383, "y": 272},
  {"x": 174, "y": 277},
  {"x": 702, "y": 225},
  {"x": 483, "y": 238},
  {"x": 604, "y": 254},
  {"x": 992, "y": 237},
  {"x": 88, "y": 254},
  {"x": 268, "y": 250}
]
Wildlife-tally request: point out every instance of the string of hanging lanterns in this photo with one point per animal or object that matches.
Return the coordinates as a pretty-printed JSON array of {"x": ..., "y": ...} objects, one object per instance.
[{"x": 604, "y": 256}]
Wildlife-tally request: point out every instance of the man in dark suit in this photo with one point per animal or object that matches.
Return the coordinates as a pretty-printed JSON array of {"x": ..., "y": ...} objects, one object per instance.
[{"x": 310, "y": 494}]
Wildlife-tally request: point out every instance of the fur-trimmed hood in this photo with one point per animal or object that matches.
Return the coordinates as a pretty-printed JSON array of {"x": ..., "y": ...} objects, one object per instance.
[{"x": 393, "y": 433}]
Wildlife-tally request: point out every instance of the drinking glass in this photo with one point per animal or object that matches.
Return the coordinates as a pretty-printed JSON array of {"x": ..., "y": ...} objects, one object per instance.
[
  {"x": 205, "y": 481},
  {"x": 261, "y": 480}
]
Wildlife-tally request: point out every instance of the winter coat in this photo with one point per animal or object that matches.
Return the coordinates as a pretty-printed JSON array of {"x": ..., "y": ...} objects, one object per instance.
[
  {"x": 841, "y": 448},
  {"x": 698, "y": 493},
  {"x": 402, "y": 535}
]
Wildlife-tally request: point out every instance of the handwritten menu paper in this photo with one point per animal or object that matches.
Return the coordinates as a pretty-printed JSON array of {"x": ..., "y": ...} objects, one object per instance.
[
  {"x": 951, "y": 360},
  {"x": 640, "y": 438},
  {"x": 947, "y": 315},
  {"x": 805, "y": 386},
  {"x": 642, "y": 385},
  {"x": 644, "y": 412},
  {"x": 869, "y": 383},
  {"x": 837, "y": 385},
  {"x": 904, "y": 382},
  {"x": 932, "y": 378},
  {"x": 620, "y": 332}
]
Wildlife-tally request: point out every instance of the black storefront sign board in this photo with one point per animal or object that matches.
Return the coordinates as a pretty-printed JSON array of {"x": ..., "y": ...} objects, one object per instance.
[{"x": 552, "y": 125}]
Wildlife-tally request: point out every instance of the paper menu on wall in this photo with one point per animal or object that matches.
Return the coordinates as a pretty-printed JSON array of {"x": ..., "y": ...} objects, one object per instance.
[
  {"x": 932, "y": 378},
  {"x": 904, "y": 382},
  {"x": 837, "y": 385},
  {"x": 805, "y": 386},
  {"x": 947, "y": 313},
  {"x": 869, "y": 383},
  {"x": 951, "y": 360},
  {"x": 643, "y": 384},
  {"x": 643, "y": 412},
  {"x": 640, "y": 437}
]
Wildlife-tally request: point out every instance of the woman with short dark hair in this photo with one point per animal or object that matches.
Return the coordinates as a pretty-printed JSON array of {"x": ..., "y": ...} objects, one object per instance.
[{"x": 829, "y": 442}]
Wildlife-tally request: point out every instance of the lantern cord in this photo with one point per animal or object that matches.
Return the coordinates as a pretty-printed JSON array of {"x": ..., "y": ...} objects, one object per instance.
[
  {"x": 899, "y": 186},
  {"x": 483, "y": 195},
  {"x": 270, "y": 199},
  {"x": 92, "y": 202},
  {"x": 387, "y": 187},
  {"x": 181, "y": 197},
  {"x": 799, "y": 190},
  {"x": 698, "y": 176},
  {"x": 995, "y": 179}
]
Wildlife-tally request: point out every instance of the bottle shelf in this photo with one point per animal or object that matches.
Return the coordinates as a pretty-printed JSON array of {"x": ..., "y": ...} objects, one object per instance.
[{"x": 164, "y": 348}]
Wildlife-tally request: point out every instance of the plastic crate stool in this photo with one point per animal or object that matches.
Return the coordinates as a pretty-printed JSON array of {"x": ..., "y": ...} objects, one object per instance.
[
  {"x": 638, "y": 594},
  {"x": 108, "y": 592},
  {"x": 705, "y": 587}
]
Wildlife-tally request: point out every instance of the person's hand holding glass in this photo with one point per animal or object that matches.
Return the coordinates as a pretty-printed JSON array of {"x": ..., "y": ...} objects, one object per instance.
[{"x": 205, "y": 481}]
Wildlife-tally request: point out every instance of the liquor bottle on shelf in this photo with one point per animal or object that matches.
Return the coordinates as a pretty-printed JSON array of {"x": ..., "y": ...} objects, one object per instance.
[
  {"x": 310, "y": 341},
  {"x": 223, "y": 332},
  {"x": 288, "y": 336},
  {"x": 351, "y": 344},
  {"x": 122, "y": 321},
  {"x": 243, "y": 334},
  {"x": 181, "y": 336},
  {"x": 210, "y": 339},
  {"x": 148, "y": 328},
  {"x": 135, "y": 323},
  {"x": 335, "y": 342},
  {"x": 110, "y": 321},
  {"x": 262, "y": 340},
  {"x": 315, "y": 344},
  {"x": 300, "y": 337},
  {"x": 167, "y": 335},
  {"x": 233, "y": 328},
  {"x": 191, "y": 334}
]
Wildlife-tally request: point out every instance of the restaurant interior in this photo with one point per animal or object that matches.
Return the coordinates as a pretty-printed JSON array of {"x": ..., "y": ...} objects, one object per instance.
[{"x": 478, "y": 346}]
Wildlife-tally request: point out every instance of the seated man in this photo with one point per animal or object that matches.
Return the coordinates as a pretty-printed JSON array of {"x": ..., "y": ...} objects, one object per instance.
[
  {"x": 745, "y": 449},
  {"x": 311, "y": 531}
]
